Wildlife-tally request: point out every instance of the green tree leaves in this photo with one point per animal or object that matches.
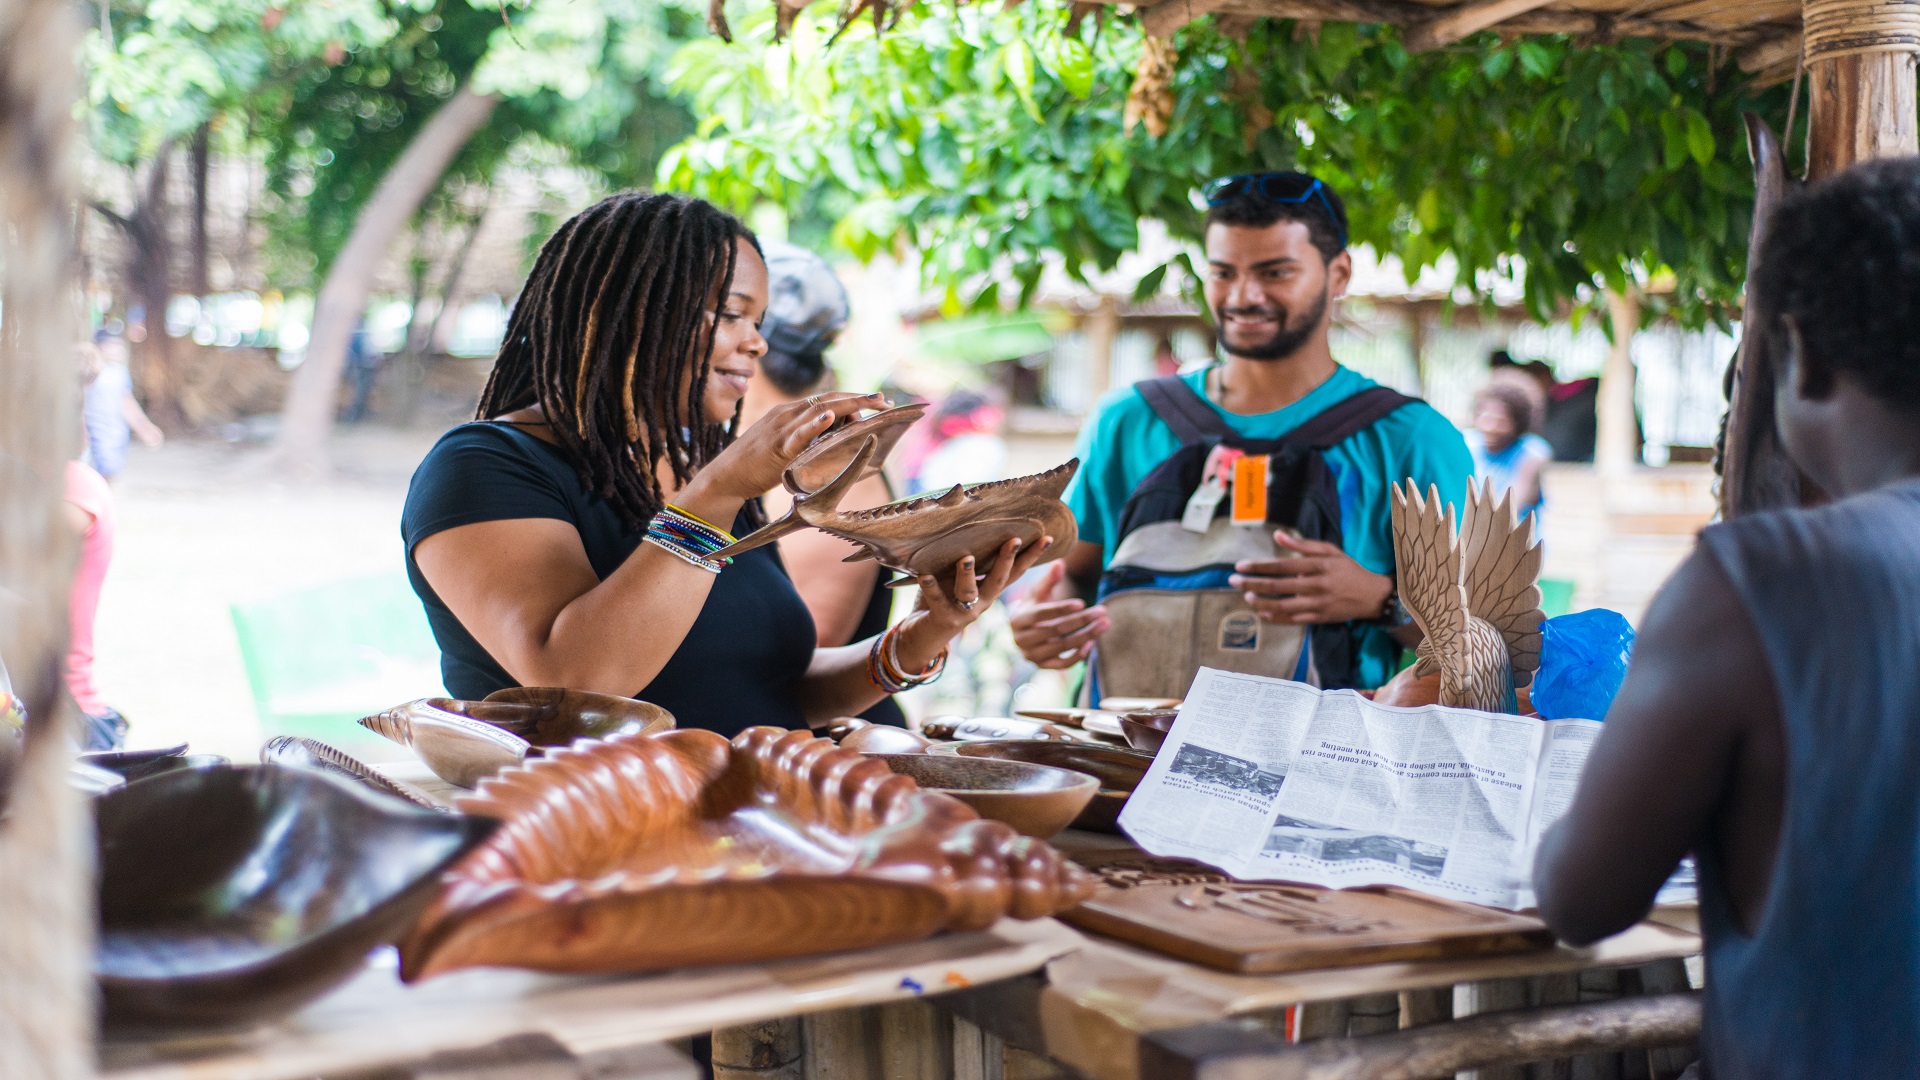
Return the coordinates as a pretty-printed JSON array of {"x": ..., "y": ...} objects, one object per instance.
[{"x": 995, "y": 137}]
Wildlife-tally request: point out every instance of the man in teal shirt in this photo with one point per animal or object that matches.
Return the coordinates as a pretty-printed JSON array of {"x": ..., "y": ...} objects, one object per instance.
[{"x": 1276, "y": 259}]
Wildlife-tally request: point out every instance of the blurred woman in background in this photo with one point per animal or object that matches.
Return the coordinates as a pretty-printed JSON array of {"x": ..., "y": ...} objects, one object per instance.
[{"x": 807, "y": 307}]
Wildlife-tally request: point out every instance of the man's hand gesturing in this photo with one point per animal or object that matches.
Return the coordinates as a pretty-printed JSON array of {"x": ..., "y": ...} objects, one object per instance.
[
  {"x": 1053, "y": 627},
  {"x": 1321, "y": 585}
]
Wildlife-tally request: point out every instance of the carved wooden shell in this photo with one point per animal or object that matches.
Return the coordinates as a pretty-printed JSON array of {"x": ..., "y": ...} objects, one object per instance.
[
  {"x": 465, "y": 741},
  {"x": 642, "y": 852},
  {"x": 829, "y": 455}
]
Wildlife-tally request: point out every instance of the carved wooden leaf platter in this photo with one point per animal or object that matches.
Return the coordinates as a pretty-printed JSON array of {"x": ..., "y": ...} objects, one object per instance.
[{"x": 645, "y": 852}]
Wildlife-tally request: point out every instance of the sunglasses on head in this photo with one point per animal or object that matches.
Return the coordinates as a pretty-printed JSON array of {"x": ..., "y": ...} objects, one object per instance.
[{"x": 1276, "y": 187}]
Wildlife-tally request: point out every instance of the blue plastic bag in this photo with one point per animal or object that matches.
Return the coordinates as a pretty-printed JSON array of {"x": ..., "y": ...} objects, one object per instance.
[{"x": 1583, "y": 658}]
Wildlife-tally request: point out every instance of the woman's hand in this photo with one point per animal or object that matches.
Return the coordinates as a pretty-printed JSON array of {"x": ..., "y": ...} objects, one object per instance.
[
  {"x": 946, "y": 608},
  {"x": 756, "y": 460}
]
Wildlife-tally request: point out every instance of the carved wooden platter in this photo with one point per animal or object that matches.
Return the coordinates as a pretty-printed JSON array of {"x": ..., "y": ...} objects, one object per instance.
[
  {"x": 644, "y": 852},
  {"x": 1196, "y": 913}
]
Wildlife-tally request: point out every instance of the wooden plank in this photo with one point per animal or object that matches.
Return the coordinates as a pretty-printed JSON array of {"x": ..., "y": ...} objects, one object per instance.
[
  {"x": 916, "y": 1041},
  {"x": 977, "y": 1054},
  {"x": 764, "y": 1050},
  {"x": 1463, "y": 21},
  {"x": 840, "y": 1045},
  {"x": 1231, "y": 1052},
  {"x": 1167, "y": 16},
  {"x": 1770, "y": 53}
]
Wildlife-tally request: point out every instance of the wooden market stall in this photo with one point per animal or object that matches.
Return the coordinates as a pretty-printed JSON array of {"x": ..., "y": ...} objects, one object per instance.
[{"x": 1858, "y": 58}]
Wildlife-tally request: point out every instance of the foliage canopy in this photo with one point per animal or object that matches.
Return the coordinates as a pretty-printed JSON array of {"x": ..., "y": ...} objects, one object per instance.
[{"x": 989, "y": 140}]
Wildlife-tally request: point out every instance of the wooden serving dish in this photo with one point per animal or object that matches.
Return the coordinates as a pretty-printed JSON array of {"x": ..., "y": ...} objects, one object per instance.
[
  {"x": 828, "y": 456},
  {"x": 1038, "y": 800},
  {"x": 465, "y": 741},
  {"x": 644, "y": 852},
  {"x": 1118, "y": 771},
  {"x": 1147, "y": 730},
  {"x": 237, "y": 893}
]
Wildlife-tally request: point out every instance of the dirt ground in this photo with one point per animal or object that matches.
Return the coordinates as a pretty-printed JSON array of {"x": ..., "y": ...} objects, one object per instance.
[{"x": 203, "y": 526}]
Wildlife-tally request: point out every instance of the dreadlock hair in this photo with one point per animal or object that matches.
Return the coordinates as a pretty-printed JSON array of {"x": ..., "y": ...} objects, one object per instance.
[{"x": 610, "y": 337}]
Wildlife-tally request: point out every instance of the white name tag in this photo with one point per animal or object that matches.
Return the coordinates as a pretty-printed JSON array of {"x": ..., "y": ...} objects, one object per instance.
[{"x": 1201, "y": 506}]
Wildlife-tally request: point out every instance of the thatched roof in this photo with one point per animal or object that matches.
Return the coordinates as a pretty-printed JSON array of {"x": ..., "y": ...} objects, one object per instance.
[{"x": 1765, "y": 33}]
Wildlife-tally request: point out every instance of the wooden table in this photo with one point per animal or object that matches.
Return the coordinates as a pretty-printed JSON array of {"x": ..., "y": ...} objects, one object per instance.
[
  {"x": 376, "y": 1021},
  {"x": 1118, "y": 1012},
  {"x": 1107, "y": 1010}
]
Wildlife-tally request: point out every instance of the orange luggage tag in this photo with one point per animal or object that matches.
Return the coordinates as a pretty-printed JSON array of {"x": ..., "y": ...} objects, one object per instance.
[{"x": 1250, "y": 490}]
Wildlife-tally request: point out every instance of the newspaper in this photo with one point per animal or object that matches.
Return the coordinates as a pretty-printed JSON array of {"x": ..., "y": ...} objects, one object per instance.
[{"x": 1273, "y": 780}]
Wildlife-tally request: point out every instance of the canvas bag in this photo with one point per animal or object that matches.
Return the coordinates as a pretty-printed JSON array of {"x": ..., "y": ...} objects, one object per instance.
[{"x": 1166, "y": 590}]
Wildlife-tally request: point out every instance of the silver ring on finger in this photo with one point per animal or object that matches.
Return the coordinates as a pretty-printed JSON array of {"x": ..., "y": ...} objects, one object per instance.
[
  {"x": 812, "y": 401},
  {"x": 967, "y": 605}
]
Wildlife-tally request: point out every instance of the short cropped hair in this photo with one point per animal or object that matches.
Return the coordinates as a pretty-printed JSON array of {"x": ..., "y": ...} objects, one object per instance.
[
  {"x": 1842, "y": 259},
  {"x": 1251, "y": 210}
]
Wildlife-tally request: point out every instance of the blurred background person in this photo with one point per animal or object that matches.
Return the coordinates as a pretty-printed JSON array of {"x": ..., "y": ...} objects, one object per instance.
[
  {"x": 111, "y": 415},
  {"x": 89, "y": 509},
  {"x": 964, "y": 444},
  {"x": 807, "y": 307},
  {"x": 1506, "y": 413}
]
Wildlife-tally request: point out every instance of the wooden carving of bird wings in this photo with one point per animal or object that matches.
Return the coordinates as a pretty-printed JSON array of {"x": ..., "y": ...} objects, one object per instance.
[
  {"x": 1426, "y": 553},
  {"x": 1500, "y": 566}
]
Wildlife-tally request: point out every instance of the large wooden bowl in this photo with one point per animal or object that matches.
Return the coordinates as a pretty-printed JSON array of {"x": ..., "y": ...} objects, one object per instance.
[
  {"x": 237, "y": 893},
  {"x": 644, "y": 852},
  {"x": 465, "y": 741},
  {"x": 1118, "y": 771},
  {"x": 1147, "y": 730},
  {"x": 1038, "y": 800}
]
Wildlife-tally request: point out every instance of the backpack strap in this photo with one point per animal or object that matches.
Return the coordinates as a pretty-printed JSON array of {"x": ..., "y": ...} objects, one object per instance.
[
  {"x": 1346, "y": 417},
  {"x": 1187, "y": 413}
]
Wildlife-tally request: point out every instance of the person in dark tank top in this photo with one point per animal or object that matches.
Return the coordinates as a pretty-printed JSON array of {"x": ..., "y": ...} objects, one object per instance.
[
  {"x": 562, "y": 538},
  {"x": 1770, "y": 719},
  {"x": 807, "y": 307}
]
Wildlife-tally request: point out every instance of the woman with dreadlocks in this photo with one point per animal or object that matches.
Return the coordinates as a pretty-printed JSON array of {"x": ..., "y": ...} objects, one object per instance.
[{"x": 562, "y": 538}]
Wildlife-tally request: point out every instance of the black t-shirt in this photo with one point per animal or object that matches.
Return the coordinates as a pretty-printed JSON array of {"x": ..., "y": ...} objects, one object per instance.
[{"x": 740, "y": 664}]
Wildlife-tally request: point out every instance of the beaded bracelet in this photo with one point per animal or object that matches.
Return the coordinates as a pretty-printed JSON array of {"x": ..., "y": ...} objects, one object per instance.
[
  {"x": 689, "y": 537},
  {"x": 885, "y": 673}
]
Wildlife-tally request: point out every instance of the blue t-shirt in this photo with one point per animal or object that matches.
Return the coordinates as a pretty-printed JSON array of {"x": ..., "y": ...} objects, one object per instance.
[
  {"x": 1126, "y": 440},
  {"x": 1502, "y": 467}
]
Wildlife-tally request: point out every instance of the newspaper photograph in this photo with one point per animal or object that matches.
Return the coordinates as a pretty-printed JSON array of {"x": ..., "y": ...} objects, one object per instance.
[{"x": 1273, "y": 780}]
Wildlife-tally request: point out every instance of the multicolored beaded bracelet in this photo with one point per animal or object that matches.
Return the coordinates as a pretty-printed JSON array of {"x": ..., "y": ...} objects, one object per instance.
[
  {"x": 691, "y": 538},
  {"x": 885, "y": 673}
]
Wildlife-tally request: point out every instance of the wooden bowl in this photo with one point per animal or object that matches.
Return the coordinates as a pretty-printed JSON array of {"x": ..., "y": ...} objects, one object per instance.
[
  {"x": 1118, "y": 771},
  {"x": 238, "y": 893},
  {"x": 464, "y": 742},
  {"x": 645, "y": 852},
  {"x": 1147, "y": 730},
  {"x": 1038, "y": 800}
]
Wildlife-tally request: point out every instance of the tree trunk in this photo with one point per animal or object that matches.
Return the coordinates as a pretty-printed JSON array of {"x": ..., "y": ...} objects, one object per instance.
[
  {"x": 150, "y": 279},
  {"x": 198, "y": 164},
  {"x": 46, "y": 1002},
  {"x": 311, "y": 401}
]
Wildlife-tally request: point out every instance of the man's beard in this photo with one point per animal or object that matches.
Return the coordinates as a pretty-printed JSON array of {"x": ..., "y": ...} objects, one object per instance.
[{"x": 1286, "y": 340}]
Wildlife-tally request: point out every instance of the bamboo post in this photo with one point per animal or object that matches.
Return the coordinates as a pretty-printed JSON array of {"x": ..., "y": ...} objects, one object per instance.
[
  {"x": 1860, "y": 58},
  {"x": 1103, "y": 329},
  {"x": 46, "y": 1002},
  {"x": 1615, "y": 453}
]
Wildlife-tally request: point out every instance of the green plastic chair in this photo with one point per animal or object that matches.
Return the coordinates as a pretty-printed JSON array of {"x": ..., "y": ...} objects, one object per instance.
[
  {"x": 1556, "y": 596},
  {"x": 319, "y": 659}
]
